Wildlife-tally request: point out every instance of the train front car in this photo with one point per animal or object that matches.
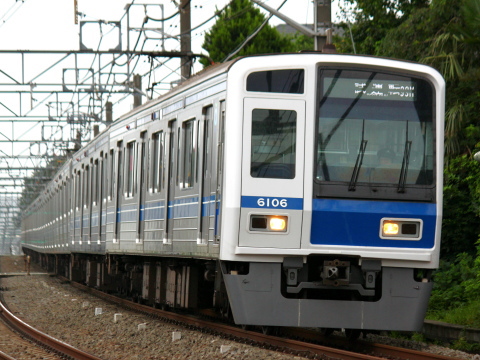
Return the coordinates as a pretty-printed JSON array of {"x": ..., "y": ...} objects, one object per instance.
[{"x": 334, "y": 219}]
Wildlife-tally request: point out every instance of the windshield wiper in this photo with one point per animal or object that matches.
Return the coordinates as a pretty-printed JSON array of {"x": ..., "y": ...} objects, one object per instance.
[
  {"x": 358, "y": 163},
  {"x": 406, "y": 156}
]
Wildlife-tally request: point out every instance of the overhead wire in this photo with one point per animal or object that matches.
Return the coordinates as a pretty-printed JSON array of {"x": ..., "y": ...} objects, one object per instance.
[
  {"x": 206, "y": 21},
  {"x": 5, "y": 17},
  {"x": 251, "y": 36},
  {"x": 112, "y": 63},
  {"x": 138, "y": 47}
]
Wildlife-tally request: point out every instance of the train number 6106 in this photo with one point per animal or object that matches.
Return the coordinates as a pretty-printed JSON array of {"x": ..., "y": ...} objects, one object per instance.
[{"x": 267, "y": 202}]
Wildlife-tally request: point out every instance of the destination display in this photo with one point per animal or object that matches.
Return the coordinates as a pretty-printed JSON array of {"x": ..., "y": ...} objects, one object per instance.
[{"x": 372, "y": 90}]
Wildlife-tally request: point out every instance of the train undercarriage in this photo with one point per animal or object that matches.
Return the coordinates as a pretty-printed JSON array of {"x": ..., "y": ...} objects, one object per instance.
[
  {"x": 323, "y": 292},
  {"x": 159, "y": 282}
]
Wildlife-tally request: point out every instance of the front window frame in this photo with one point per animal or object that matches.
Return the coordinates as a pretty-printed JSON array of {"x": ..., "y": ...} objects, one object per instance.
[{"x": 365, "y": 190}]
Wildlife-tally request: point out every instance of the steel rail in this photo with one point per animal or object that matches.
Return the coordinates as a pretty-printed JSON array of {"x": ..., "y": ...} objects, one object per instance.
[
  {"x": 231, "y": 331},
  {"x": 379, "y": 351},
  {"x": 42, "y": 338},
  {"x": 4, "y": 356}
]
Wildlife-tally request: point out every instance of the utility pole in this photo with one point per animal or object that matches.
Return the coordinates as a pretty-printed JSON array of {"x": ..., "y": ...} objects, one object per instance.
[
  {"x": 185, "y": 39},
  {"x": 75, "y": 9},
  {"x": 322, "y": 22},
  {"x": 321, "y": 28},
  {"x": 137, "y": 88}
]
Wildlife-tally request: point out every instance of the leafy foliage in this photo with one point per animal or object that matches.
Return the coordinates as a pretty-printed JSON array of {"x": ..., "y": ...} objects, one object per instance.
[
  {"x": 455, "y": 297},
  {"x": 461, "y": 204},
  {"x": 446, "y": 35},
  {"x": 236, "y": 24},
  {"x": 373, "y": 19}
]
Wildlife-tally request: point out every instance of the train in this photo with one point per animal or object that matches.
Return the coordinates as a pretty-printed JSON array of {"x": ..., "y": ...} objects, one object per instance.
[{"x": 300, "y": 190}]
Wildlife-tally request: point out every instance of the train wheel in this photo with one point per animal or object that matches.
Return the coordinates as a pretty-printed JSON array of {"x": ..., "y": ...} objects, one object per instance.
[
  {"x": 225, "y": 311},
  {"x": 267, "y": 330}
]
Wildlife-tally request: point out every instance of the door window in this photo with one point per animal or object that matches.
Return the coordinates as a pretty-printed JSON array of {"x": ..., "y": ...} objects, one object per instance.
[{"x": 273, "y": 144}]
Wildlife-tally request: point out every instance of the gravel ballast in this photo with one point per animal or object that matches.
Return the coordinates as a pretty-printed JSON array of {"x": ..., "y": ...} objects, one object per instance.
[
  {"x": 88, "y": 323},
  {"x": 69, "y": 315}
]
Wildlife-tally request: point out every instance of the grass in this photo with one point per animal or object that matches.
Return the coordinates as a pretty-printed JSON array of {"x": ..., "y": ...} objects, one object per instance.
[{"x": 467, "y": 315}]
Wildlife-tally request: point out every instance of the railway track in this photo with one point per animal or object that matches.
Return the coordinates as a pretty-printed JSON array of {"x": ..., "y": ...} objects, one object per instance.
[
  {"x": 310, "y": 349},
  {"x": 13, "y": 346},
  {"x": 56, "y": 349},
  {"x": 308, "y": 345},
  {"x": 19, "y": 340}
]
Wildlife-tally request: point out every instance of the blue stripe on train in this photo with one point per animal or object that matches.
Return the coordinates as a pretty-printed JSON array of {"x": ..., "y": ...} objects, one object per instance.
[
  {"x": 177, "y": 209},
  {"x": 357, "y": 222}
]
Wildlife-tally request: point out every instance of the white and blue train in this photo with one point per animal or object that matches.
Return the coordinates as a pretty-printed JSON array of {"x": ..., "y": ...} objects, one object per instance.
[{"x": 283, "y": 190}]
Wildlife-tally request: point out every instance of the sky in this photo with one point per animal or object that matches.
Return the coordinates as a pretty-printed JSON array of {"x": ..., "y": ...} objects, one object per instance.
[
  {"x": 50, "y": 25},
  {"x": 47, "y": 24}
]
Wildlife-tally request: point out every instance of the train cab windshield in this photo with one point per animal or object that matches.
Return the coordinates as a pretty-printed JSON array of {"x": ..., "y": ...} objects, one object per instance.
[{"x": 375, "y": 135}]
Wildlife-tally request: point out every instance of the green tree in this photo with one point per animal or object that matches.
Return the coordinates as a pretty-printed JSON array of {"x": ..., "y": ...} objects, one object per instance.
[
  {"x": 461, "y": 207},
  {"x": 236, "y": 24},
  {"x": 455, "y": 53},
  {"x": 446, "y": 36},
  {"x": 372, "y": 20}
]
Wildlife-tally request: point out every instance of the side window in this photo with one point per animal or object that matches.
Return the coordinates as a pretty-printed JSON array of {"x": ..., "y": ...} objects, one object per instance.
[
  {"x": 86, "y": 187},
  {"x": 95, "y": 183},
  {"x": 131, "y": 169},
  {"x": 273, "y": 144},
  {"x": 119, "y": 170},
  {"x": 78, "y": 190},
  {"x": 111, "y": 177},
  {"x": 101, "y": 176},
  {"x": 189, "y": 153},
  {"x": 157, "y": 179}
]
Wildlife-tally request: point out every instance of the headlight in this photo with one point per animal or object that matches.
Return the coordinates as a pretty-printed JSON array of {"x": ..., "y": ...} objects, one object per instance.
[
  {"x": 390, "y": 228},
  {"x": 278, "y": 223},
  {"x": 401, "y": 229},
  {"x": 273, "y": 223}
]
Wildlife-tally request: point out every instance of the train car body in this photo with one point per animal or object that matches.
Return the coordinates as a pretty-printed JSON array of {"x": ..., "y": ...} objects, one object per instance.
[{"x": 288, "y": 190}]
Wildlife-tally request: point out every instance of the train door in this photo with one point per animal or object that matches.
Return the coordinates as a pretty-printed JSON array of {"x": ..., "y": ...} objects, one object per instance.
[
  {"x": 171, "y": 182},
  {"x": 78, "y": 208},
  {"x": 93, "y": 229},
  {"x": 142, "y": 188},
  {"x": 272, "y": 173},
  {"x": 86, "y": 207},
  {"x": 110, "y": 199},
  {"x": 207, "y": 200},
  {"x": 154, "y": 210},
  {"x": 103, "y": 199},
  {"x": 73, "y": 206},
  {"x": 118, "y": 192},
  {"x": 91, "y": 201},
  {"x": 99, "y": 165},
  {"x": 220, "y": 118}
]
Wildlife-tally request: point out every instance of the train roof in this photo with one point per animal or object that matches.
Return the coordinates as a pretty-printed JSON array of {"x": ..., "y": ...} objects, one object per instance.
[{"x": 198, "y": 78}]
